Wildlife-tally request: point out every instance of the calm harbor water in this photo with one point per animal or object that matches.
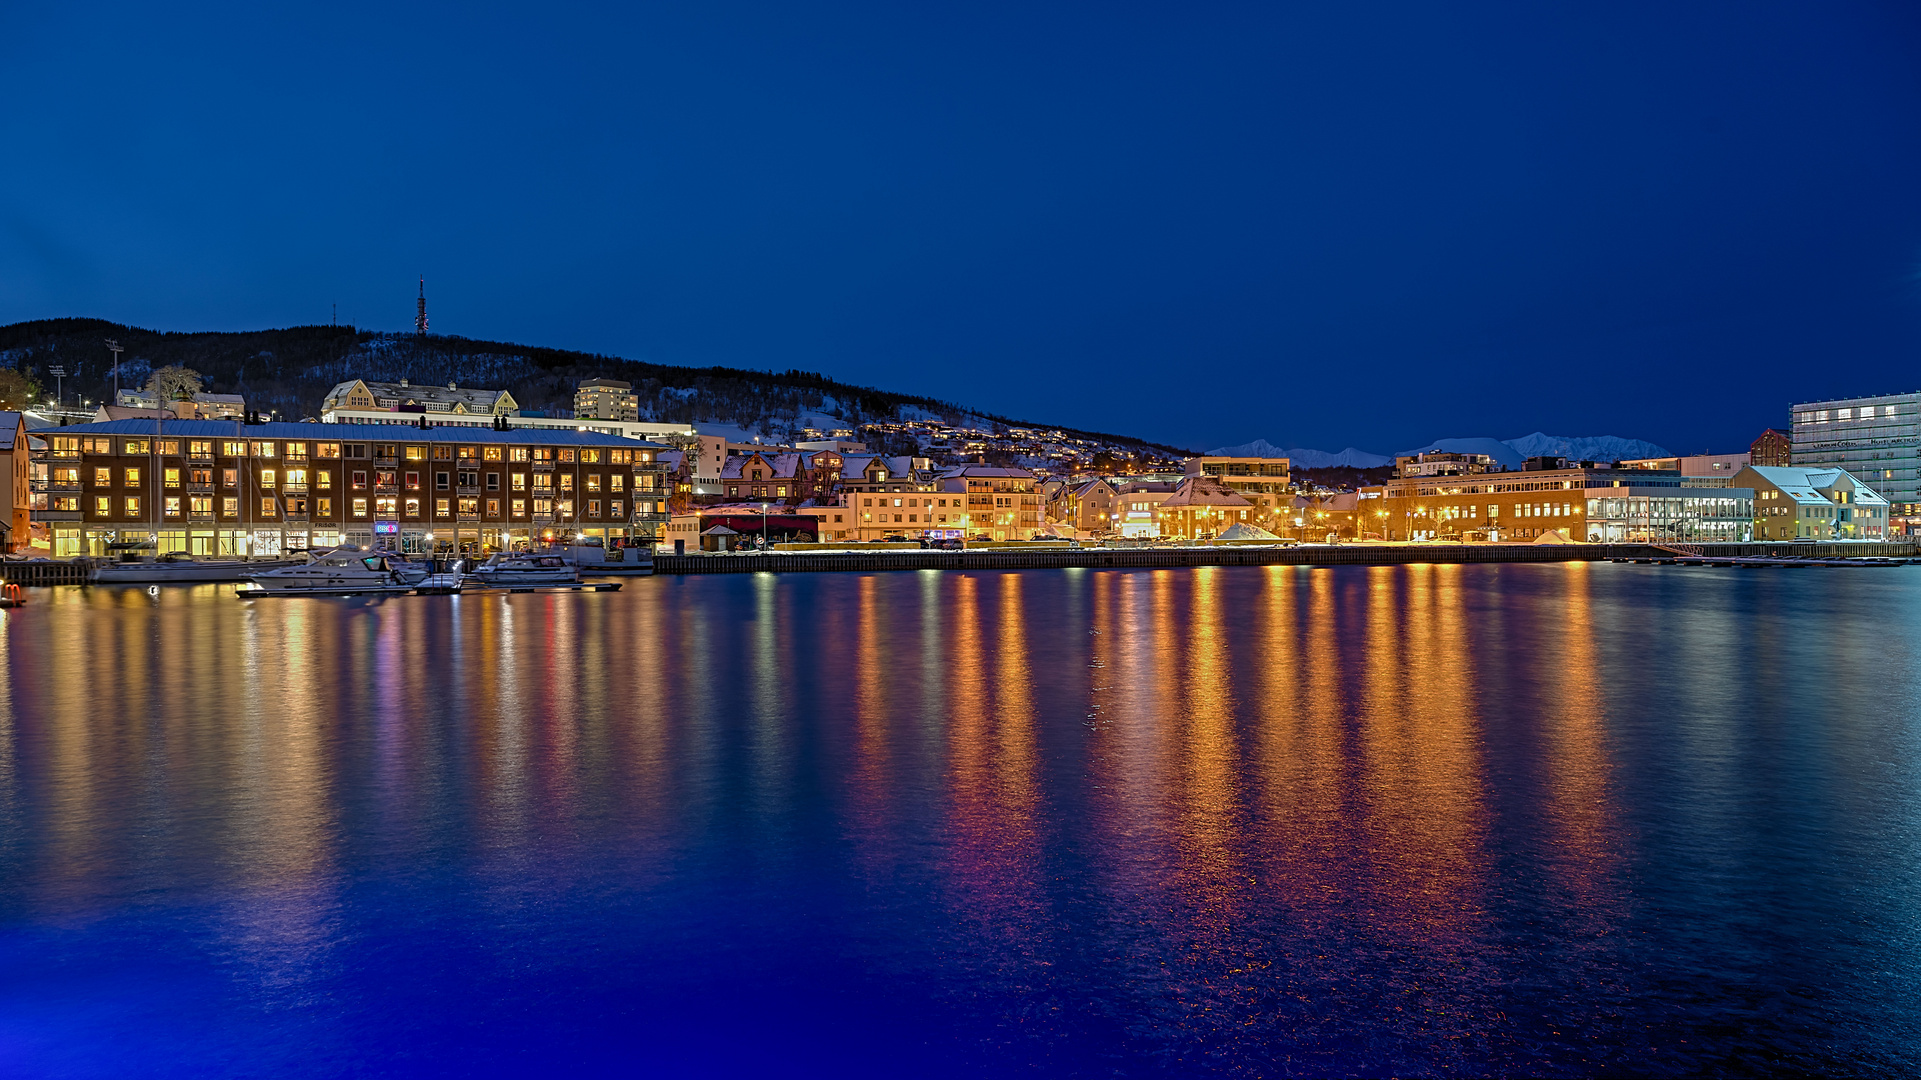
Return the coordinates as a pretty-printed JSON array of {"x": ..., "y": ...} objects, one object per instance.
[{"x": 1561, "y": 819}]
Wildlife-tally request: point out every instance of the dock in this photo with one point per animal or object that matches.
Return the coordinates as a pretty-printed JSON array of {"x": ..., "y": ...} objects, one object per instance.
[{"x": 1158, "y": 557}]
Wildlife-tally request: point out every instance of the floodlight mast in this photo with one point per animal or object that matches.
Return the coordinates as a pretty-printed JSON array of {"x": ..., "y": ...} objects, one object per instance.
[{"x": 115, "y": 348}]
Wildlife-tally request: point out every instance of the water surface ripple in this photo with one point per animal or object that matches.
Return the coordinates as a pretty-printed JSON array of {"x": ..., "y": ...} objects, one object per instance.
[{"x": 1558, "y": 819}]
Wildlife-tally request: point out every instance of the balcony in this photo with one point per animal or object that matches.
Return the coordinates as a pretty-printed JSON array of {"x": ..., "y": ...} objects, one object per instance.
[
  {"x": 467, "y": 489},
  {"x": 543, "y": 466},
  {"x": 200, "y": 455},
  {"x": 294, "y": 489},
  {"x": 468, "y": 516},
  {"x": 200, "y": 515},
  {"x": 386, "y": 462},
  {"x": 60, "y": 485}
]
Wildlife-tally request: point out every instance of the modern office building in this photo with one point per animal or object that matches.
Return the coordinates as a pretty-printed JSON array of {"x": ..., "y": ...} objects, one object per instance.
[{"x": 1876, "y": 439}]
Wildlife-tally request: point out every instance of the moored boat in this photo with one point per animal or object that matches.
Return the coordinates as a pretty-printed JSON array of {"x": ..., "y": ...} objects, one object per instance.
[
  {"x": 527, "y": 568},
  {"x": 179, "y": 569},
  {"x": 345, "y": 569}
]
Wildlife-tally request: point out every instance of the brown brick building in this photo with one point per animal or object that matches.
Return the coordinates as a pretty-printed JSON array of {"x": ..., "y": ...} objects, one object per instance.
[{"x": 220, "y": 488}]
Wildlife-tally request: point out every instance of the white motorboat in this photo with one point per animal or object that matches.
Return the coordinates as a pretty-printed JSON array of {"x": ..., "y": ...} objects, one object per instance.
[
  {"x": 345, "y": 569},
  {"x": 177, "y": 569},
  {"x": 596, "y": 559},
  {"x": 527, "y": 568}
]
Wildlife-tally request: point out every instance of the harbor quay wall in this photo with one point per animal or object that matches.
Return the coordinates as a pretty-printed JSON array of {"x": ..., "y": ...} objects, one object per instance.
[{"x": 1305, "y": 555}]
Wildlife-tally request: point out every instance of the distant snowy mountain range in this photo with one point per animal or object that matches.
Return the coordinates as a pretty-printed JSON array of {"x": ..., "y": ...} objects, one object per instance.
[{"x": 1509, "y": 452}]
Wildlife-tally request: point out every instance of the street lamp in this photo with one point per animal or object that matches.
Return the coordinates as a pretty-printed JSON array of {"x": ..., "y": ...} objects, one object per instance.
[{"x": 59, "y": 374}]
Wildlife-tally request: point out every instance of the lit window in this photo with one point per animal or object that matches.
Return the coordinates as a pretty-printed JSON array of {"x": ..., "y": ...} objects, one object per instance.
[
  {"x": 360, "y": 508},
  {"x": 267, "y": 507}
]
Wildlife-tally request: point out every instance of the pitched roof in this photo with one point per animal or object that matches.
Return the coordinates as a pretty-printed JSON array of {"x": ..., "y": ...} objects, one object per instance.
[
  {"x": 1203, "y": 491},
  {"x": 1804, "y": 485},
  {"x": 421, "y": 394},
  {"x": 10, "y": 426}
]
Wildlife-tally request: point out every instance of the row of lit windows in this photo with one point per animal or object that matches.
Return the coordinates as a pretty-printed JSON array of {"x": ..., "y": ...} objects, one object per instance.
[
  {"x": 203, "y": 505},
  {"x": 72, "y": 446}
]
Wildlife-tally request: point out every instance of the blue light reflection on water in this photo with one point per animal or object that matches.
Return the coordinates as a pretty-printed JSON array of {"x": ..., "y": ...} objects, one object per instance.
[{"x": 1262, "y": 821}]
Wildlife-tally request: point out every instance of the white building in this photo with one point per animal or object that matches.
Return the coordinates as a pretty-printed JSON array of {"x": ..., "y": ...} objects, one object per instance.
[{"x": 1876, "y": 439}]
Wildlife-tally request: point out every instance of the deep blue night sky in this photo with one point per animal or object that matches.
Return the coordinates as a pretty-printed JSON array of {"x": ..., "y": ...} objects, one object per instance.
[{"x": 1324, "y": 225}]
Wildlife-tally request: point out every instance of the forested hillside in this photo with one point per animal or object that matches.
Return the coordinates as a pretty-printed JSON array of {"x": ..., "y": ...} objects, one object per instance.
[{"x": 290, "y": 370}]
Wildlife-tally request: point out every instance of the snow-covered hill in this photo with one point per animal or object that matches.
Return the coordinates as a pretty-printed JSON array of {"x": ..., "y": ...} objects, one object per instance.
[
  {"x": 1303, "y": 458},
  {"x": 1509, "y": 452},
  {"x": 1512, "y": 452}
]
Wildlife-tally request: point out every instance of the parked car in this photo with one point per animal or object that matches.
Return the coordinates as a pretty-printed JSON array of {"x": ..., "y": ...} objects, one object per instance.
[{"x": 952, "y": 543}]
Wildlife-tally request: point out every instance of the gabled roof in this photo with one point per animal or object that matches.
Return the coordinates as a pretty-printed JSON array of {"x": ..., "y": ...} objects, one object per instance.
[
  {"x": 779, "y": 466},
  {"x": 11, "y": 424},
  {"x": 1088, "y": 488},
  {"x": 421, "y": 394},
  {"x": 1806, "y": 486},
  {"x": 1203, "y": 491}
]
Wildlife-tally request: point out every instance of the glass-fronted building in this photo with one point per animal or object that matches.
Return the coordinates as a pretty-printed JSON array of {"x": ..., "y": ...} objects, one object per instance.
[{"x": 1877, "y": 439}]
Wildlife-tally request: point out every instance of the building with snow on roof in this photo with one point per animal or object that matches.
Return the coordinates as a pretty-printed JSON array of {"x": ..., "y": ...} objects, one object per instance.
[
  {"x": 1794, "y": 503},
  {"x": 1001, "y": 503}
]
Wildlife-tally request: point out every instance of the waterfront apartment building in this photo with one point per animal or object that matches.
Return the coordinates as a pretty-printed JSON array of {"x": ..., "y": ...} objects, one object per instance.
[
  {"x": 16, "y": 468},
  {"x": 1001, "y": 503},
  {"x": 1813, "y": 504},
  {"x": 894, "y": 496},
  {"x": 1877, "y": 440},
  {"x": 1263, "y": 482},
  {"x": 222, "y": 488},
  {"x": 1092, "y": 507},
  {"x": 606, "y": 399},
  {"x": 786, "y": 478},
  {"x": 1594, "y": 504}
]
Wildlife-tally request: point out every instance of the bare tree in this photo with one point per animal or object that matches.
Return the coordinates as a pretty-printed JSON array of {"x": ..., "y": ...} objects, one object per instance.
[{"x": 173, "y": 383}]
